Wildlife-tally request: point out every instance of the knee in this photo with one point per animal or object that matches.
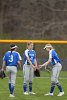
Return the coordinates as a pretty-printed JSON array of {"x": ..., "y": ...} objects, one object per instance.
[
  {"x": 52, "y": 84},
  {"x": 54, "y": 79},
  {"x": 26, "y": 80},
  {"x": 58, "y": 84},
  {"x": 13, "y": 82}
]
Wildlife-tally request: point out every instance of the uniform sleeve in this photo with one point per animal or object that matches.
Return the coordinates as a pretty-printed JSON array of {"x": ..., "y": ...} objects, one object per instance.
[
  {"x": 4, "y": 58},
  {"x": 19, "y": 57},
  {"x": 35, "y": 56},
  {"x": 50, "y": 54},
  {"x": 26, "y": 53}
]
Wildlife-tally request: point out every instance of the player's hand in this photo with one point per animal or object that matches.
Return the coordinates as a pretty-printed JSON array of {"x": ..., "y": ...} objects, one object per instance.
[
  {"x": 40, "y": 66},
  {"x": 2, "y": 69},
  {"x": 34, "y": 67},
  {"x": 37, "y": 67},
  {"x": 45, "y": 67}
]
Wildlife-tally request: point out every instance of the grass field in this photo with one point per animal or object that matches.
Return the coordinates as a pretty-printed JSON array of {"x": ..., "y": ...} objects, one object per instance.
[{"x": 40, "y": 86}]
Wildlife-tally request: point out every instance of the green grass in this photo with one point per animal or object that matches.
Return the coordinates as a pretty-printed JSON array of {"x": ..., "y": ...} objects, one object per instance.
[{"x": 40, "y": 86}]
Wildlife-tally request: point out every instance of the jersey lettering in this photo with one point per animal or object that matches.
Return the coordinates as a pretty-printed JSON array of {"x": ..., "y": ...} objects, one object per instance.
[{"x": 11, "y": 58}]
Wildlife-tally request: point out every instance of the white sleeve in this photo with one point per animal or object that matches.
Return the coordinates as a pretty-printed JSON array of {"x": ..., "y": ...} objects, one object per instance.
[
  {"x": 20, "y": 58},
  {"x": 50, "y": 54},
  {"x": 26, "y": 53}
]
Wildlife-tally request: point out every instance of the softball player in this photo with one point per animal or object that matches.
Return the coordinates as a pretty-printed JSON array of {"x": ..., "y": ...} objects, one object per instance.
[
  {"x": 11, "y": 59},
  {"x": 29, "y": 66},
  {"x": 55, "y": 61}
]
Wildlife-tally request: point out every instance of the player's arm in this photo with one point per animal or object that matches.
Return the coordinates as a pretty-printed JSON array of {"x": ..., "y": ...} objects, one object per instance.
[
  {"x": 46, "y": 63},
  {"x": 19, "y": 60},
  {"x": 19, "y": 63},
  {"x": 28, "y": 59},
  {"x": 3, "y": 65},
  {"x": 4, "y": 62},
  {"x": 35, "y": 62}
]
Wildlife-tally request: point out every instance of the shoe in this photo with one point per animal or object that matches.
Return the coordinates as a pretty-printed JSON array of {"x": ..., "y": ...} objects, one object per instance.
[
  {"x": 61, "y": 94},
  {"x": 11, "y": 95},
  {"x": 49, "y": 94},
  {"x": 32, "y": 93},
  {"x": 26, "y": 93}
]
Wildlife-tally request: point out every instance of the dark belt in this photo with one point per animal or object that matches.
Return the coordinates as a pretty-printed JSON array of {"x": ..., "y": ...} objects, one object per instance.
[
  {"x": 29, "y": 64},
  {"x": 56, "y": 63}
]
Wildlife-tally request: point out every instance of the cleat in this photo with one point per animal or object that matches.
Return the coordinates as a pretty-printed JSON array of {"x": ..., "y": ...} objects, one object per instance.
[
  {"x": 49, "y": 94},
  {"x": 32, "y": 93},
  {"x": 26, "y": 93},
  {"x": 61, "y": 94},
  {"x": 11, "y": 95}
]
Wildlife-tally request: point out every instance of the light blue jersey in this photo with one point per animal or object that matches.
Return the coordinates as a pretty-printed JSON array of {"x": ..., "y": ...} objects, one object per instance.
[
  {"x": 12, "y": 59},
  {"x": 54, "y": 56},
  {"x": 31, "y": 54}
]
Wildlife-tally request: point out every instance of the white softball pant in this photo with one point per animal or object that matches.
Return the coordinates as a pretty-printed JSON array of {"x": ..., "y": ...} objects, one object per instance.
[
  {"x": 55, "y": 72},
  {"x": 11, "y": 73},
  {"x": 28, "y": 73}
]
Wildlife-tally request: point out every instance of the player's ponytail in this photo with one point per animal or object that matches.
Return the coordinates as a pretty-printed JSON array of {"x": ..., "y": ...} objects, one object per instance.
[{"x": 11, "y": 53}]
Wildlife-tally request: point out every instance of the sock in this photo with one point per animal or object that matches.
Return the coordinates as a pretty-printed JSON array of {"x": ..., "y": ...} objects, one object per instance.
[
  {"x": 12, "y": 88},
  {"x": 25, "y": 87},
  {"x": 52, "y": 87},
  {"x": 59, "y": 87},
  {"x": 30, "y": 87}
]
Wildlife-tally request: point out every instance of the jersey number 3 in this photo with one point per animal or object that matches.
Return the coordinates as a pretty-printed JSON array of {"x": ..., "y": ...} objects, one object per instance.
[{"x": 11, "y": 58}]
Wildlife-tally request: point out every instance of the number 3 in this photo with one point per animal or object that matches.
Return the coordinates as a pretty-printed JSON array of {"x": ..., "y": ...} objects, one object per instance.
[{"x": 11, "y": 58}]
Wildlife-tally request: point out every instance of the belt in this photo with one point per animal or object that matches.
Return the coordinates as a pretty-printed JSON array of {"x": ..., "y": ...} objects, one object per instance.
[
  {"x": 28, "y": 64},
  {"x": 56, "y": 63}
]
